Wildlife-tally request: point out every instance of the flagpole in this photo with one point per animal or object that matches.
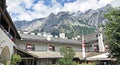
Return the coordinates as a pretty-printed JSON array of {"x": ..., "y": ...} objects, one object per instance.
[{"x": 83, "y": 46}]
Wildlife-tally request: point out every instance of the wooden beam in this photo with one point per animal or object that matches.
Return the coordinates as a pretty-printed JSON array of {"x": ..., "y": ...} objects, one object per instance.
[
  {"x": 0, "y": 2},
  {"x": 9, "y": 29},
  {"x": 7, "y": 19},
  {"x": 0, "y": 18},
  {"x": 28, "y": 58},
  {"x": 33, "y": 62}
]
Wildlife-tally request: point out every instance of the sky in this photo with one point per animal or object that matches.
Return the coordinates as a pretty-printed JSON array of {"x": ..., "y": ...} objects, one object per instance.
[{"x": 32, "y": 9}]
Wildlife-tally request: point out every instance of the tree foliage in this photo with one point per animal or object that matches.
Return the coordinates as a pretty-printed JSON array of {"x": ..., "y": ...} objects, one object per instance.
[
  {"x": 16, "y": 58},
  {"x": 113, "y": 32},
  {"x": 68, "y": 54}
]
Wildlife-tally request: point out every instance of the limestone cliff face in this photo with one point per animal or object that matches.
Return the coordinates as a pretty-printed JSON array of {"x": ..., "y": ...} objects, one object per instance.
[{"x": 70, "y": 22}]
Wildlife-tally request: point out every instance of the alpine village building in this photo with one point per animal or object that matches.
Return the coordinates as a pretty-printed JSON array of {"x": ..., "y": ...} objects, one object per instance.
[
  {"x": 8, "y": 33},
  {"x": 43, "y": 49}
]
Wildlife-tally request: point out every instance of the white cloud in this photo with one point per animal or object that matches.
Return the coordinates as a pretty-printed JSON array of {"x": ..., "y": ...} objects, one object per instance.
[
  {"x": 115, "y": 3},
  {"x": 28, "y": 3},
  {"x": 41, "y": 10},
  {"x": 86, "y": 5}
]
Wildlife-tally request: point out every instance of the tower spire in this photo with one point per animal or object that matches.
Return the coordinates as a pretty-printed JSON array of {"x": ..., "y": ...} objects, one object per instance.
[{"x": 83, "y": 46}]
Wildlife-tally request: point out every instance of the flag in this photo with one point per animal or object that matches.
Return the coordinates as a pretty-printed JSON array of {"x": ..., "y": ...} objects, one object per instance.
[{"x": 83, "y": 46}]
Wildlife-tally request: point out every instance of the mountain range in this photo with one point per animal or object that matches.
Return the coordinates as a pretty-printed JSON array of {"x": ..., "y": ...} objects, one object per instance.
[{"x": 70, "y": 23}]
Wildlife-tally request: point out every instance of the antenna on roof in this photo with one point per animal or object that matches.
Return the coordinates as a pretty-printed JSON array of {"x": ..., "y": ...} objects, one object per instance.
[{"x": 83, "y": 46}]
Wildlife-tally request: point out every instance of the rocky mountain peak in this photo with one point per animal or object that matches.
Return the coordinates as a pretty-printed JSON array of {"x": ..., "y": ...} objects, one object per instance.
[{"x": 71, "y": 23}]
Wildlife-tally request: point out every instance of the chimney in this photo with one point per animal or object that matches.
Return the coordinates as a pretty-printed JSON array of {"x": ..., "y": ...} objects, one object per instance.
[
  {"x": 39, "y": 34},
  {"x": 56, "y": 36},
  {"x": 44, "y": 34},
  {"x": 62, "y": 35},
  {"x": 76, "y": 38},
  {"x": 73, "y": 38},
  {"x": 25, "y": 32},
  {"x": 51, "y": 35},
  {"x": 48, "y": 37},
  {"x": 32, "y": 33}
]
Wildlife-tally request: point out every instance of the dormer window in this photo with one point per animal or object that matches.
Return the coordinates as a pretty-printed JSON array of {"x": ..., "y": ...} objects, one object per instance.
[
  {"x": 51, "y": 48},
  {"x": 96, "y": 48},
  {"x": 30, "y": 47}
]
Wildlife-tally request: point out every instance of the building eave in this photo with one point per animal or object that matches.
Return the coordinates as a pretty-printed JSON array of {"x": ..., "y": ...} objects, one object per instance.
[{"x": 8, "y": 19}]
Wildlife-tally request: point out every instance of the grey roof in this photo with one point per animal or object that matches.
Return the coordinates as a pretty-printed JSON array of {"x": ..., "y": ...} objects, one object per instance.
[
  {"x": 44, "y": 39},
  {"x": 91, "y": 37}
]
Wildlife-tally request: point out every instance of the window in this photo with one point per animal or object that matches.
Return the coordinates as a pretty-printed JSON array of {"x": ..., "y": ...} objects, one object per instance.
[
  {"x": 96, "y": 48},
  {"x": 30, "y": 47},
  {"x": 88, "y": 46},
  {"x": 96, "y": 35},
  {"x": 52, "y": 48},
  {"x": 53, "y": 61}
]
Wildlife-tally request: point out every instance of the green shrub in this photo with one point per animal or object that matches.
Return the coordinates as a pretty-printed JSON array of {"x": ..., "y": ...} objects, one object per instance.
[{"x": 15, "y": 59}]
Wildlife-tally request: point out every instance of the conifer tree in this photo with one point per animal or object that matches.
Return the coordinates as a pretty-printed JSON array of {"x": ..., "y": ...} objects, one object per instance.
[
  {"x": 68, "y": 54},
  {"x": 113, "y": 32}
]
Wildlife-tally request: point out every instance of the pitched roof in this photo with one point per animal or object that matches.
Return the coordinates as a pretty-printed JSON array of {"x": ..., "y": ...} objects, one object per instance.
[
  {"x": 103, "y": 56},
  {"x": 44, "y": 39},
  {"x": 58, "y": 55}
]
